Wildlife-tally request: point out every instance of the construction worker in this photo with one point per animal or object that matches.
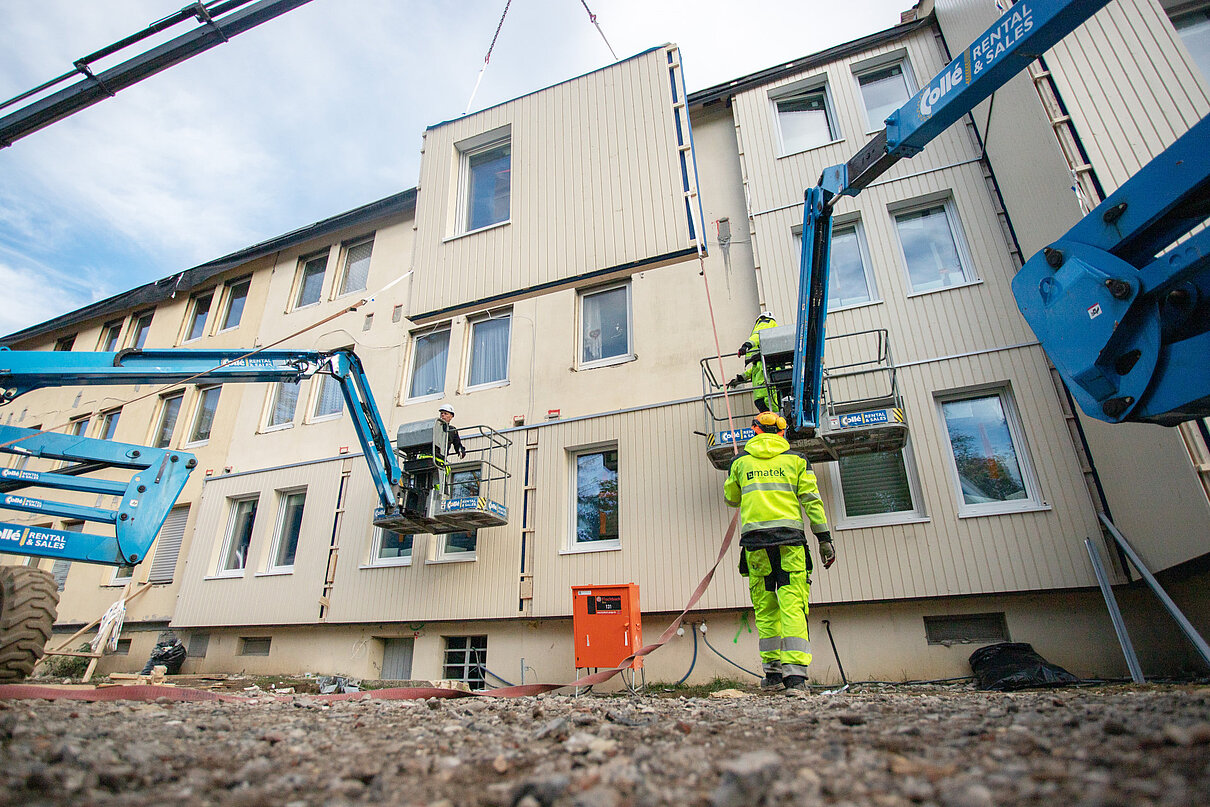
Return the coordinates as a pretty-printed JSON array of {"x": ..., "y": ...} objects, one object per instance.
[
  {"x": 754, "y": 371},
  {"x": 771, "y": 486},
  {"x": 445, "y": 413}
]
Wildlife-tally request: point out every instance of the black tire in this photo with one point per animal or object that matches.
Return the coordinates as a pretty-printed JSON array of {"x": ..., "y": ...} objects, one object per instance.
[{"x": 28, "y": 598}]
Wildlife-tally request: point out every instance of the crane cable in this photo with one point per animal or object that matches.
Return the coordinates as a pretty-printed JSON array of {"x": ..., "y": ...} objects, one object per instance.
[
  {"x": 488, "y": 57},
  {"x": 593, "y": 19}
]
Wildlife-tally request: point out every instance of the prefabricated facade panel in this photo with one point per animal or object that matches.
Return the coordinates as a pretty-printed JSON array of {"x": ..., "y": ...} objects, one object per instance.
[{"x": 595, "y": 183}]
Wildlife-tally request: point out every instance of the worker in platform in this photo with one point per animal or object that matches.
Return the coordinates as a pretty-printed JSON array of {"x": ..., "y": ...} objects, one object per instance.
[
  {"x": 754, "y": 371},
  {"x": 445, "y": 413},
  {"x": 772, "y": 486}
]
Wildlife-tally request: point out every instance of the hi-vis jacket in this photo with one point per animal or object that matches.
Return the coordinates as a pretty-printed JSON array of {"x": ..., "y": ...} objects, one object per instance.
[
  {"x": 752, "y": 366},
  {"x": 771, "y": 486}
]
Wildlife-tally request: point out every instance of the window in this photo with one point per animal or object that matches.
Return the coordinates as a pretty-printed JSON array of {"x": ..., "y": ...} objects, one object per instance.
[
  {"x": 109, "y": 424},
  {"x": 1194, "y": 30},
  {"x": 391, "y": 548},
  {"x": 990, "y": 468},
  {"x": 65, "y": 343},
  {"x": 932, "y": 247},
  {"x": 804, "y": 118},
  {"x": 464, "y": 481},
  {"x": 123, "y": 647},
  {"x": 200, "y": 309},
  {"x": 430, "y": 354},
  {"x": 140, "y": 329},
  {"x": 489, "y": 351},
  {"x": 465, "y": 659},
  {"x": 239, "y": 535},
  {"x": 966, "y": 629},
  {"x": 110, "y": 334},
  {"x": 237, "y": 295},
  {"x": 170, "y": 408},
  {"x": 168, "y": 546},
  {"x": 457, "y": 546},
  {"x": 486, "y": 171},
  {"x": 255, "y": 645},
  {"x": 330, "y": 400},
  {"x": 357, "y": 267},
  {"x": 122, "y": 575},
  {"x": 878, "y": 489},
  {"x": 850, "y": 279},
  {"x": 289, "y": 525},
  {"x": 596, "y": 486},
  {"x": 311, "y": 280},
  {"x": 61, "y": 567},
  {"x": 199, "y": 643},
  {"x": 78, "y": 427},
  {"x": 203, "y": 416},
  {"x": 283, "y": 402},
  {"x": 883, "y": 89},
  {"x": 605, "y": 326}
]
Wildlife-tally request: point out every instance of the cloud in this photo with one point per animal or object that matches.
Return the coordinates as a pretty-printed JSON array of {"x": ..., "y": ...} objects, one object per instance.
[{"x": 33, "y": 297}]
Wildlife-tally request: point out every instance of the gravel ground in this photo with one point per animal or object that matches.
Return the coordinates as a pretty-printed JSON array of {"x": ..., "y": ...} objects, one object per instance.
[{"x": 945, "y": 746}]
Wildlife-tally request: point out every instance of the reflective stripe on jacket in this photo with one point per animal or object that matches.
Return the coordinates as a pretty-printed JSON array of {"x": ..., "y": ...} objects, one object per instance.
[
  {"x": 772, "y": 486},
  {"x": 753, "y": 370}
]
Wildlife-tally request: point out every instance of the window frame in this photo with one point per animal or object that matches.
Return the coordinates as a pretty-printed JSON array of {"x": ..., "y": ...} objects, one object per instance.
[
  {"x": 466, "y": 149},
  {"x": 136, "y": 328},
  {"x": 954, "y": 221},
  {"x": 283, "y": 500},
  {"x": 158, "y": 430},
  {"x": 233, "y": 503},
  {"x": 467, "y": 656},
  {"x": 196, "y": 415},
  {"x": 65, "y": 344},
  {"x": 442, "y": 553},
  {"x": 109, "y": 421},
  {"x": 301, "y": 275},
  {"x": 471, "y": 324},
  {"x": 191, "y": 316},
  {"x": 572, "y": 545},
  {"x": 416, "y": 336},
  {"x": 316, "y": 396},
  {"x": 229, "y": 298},
  {"x": 346, "y": 249},
  {"x": 116, "y": 580},
  {"x": 867, "y": 265},
  {"x": 841, "y": 520},
  {"x": 376, "y": 562},
  {"x": 621, "y": 358},
  {"x": 112, "y": 328},
  {"x": 868, "y": 66},
  {"x": 271, "y": 407},
  {"x": 1034, "y": 500},
  {"x": 801, "y": 89}
]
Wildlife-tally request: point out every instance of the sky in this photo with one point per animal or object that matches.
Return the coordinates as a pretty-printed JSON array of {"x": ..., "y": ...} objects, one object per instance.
[{"x": 306, "y": 116}]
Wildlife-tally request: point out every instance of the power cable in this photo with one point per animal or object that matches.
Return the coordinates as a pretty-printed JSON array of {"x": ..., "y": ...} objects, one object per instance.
[
  {"x": 693, "y": 662},
  {"x": 729, "y": 661}
]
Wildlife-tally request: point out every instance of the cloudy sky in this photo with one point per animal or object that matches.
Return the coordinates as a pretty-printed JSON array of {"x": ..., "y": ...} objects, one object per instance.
[{"x": 306, "y": 116}]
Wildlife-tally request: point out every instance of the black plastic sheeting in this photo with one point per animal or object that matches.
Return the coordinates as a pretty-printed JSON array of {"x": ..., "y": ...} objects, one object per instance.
[{"x": 1009, "y": 666}]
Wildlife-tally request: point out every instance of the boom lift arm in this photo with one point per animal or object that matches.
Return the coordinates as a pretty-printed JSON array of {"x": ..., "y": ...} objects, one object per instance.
[{"x": 1144, "y": 361}]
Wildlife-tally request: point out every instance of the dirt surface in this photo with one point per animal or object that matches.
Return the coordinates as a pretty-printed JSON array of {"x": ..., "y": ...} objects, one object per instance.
[{"x": 945, "y": 746}]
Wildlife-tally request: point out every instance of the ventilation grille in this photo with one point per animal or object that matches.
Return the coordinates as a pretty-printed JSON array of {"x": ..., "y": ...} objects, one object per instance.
[
  {"x": 254, "y": 645},
  {"x": 953, "y": 629}
]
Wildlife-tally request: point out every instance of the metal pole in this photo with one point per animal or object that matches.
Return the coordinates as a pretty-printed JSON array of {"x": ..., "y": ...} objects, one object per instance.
[
  {"x": 1186, "y": 627},
  {"x": 828, "y": 626},
  {"x": 1115, "y": 613}
]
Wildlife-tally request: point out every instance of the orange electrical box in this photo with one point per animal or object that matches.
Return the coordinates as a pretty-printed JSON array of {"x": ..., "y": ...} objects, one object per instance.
[{"x": 607, "y": 624}]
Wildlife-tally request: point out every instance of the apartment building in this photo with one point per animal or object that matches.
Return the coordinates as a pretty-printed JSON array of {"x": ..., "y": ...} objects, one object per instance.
[{"x": 548, "y": 278}]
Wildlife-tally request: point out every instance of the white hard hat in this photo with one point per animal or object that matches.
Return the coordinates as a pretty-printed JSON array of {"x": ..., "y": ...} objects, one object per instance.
[
  {"x": 446, "y": 408},
  {"x": 766, "y": 315}
]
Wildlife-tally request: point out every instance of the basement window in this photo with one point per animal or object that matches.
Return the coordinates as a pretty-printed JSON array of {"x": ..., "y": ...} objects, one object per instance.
[
  {"x": 123, "y": 648},
  {"x": 199, "y": 643},
  {"x": 254, "y": 645},
  {"x": 465, "y": 659},
  {"x": 952, "y": 629}
]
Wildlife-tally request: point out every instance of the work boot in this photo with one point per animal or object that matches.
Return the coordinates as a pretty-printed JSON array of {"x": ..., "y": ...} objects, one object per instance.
[
  {"x": 771, "y": 682},
  {"x": 796, "y": 686}
]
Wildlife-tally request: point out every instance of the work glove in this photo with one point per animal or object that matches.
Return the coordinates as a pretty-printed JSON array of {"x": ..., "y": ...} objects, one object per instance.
[
  {"x": 735, "y": 382},
  {"x": 827, "y": 552}
]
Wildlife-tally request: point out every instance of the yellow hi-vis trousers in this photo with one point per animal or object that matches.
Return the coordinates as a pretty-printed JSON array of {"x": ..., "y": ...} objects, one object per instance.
[{"x": 780, "y": 585}]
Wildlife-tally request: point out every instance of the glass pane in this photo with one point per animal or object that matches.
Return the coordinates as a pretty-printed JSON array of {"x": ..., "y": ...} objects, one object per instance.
[
  {"x": 604, "y": 332},
  {"x": 804, "y": 121},
  {"x": 201, "y": 309},
  {"x": 243, "y": 517},
  {"x": 929, "y": 248},
  {"x": 331, "y": 400},
  {"x": 66, "y": 343},
  {"x": 489, "y": 351},
  {"x": 874, "y": 484},
  {"x": 285, "y": 401},
  {"x": 109, "y": 341},
  {"x": 459, "y": 542},
  {"x": 357, "y": 267},
  {"x": 168, "y": 414},
  {"x": 847, "y": 283},
  {"x": 291, "y": 524},
  {"x": 428, "y": 361},
  {"x": 394, "y": 545},
  {"x": 109, "y": 426},
  {"x": 78, "y": 427},
  {"x": 312, "y": 282},
  {"x": 988, "y": 469},
  {"x": 141, "y": 328},
  {"x": 883, "y": 91},
  {"x": 597, "y": 496},
  {"x": 123, "y": 572},
  {"x": 489, "y": 186},
  {"x": 464, "y": 483},
  {"x": 235, "y": 304},
  {"x": 204, "y": 419},
  {"x": 1194, "y": 30}
]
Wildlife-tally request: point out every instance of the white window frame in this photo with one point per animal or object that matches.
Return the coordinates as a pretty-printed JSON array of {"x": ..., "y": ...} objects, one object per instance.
[
  {"x": 416, "y": 336},
  {"x": 842, "y": 521},
  {"x": 233, "y": 504},
  {"x": 471, "y": 325},
  {"x": 300, "y": 276},
  {"x": 197, "y": 414},
  {"x": 345, "y": 250},
  {"x": 867, "y": 265},
  {"x": 807, "y": 86},
  {"x": 116, "y": 580},
  {"x": 108, "y": 418},
  {"x": 443, "y": 555},
  {"x": 114, "y": 327},
  {"x": 192, "y": 316},
  {"x": 572, "y": 546},
  {"x": 78, "y": 426},
  {"x": 317, "y": 383},
  {"x": 864, "y": 68},
  {"x": 375, "y": 562},
  {"x": 1033, "y": 500},
  {"x": 466, "y": 665},
  {"x": 228, "y": 297},
  {"x": 945, "y": 201},
  {"x": 283, "y": 497},
  {"x": 629, "y": 355},
  {"x": 159, "y": 420},
  {"x": 271, "y": 407},
  {"x": 135, "y": 319},
  {"x": 465, "y": 150}
]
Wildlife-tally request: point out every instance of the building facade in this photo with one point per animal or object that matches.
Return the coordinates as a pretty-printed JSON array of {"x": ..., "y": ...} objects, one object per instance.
[{"x": 548, "y": 278}]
